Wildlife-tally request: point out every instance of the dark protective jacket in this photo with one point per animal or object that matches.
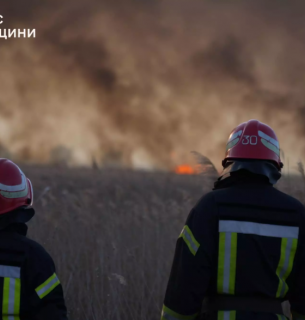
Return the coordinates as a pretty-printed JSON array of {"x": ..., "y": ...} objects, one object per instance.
[
  {"x": 30, "y": 288},
  {"x": 244, "y": 239}
]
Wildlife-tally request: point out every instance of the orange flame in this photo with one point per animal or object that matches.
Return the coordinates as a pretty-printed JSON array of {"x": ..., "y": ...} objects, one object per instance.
[{"x": 185, "y": 169}]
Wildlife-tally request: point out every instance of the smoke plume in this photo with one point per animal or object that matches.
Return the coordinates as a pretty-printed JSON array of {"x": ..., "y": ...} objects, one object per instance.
[{"x": 142, "y": 83}]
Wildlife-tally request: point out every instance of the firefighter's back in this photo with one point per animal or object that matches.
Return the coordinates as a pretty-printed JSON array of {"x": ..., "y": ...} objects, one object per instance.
[
  {"x": 260, "y": 247},
  {"x": 29, "y": 287}
]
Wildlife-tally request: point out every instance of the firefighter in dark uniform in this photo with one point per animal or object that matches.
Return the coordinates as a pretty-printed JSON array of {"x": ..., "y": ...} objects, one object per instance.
[
  {"x": 241, "y": 251},
  {"x": 29, "y": 286}
]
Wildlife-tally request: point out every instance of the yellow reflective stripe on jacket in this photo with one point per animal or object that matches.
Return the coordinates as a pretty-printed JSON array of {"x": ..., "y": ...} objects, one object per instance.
[
  {"x": 168, "y": 314},
  {"x": 226, "y": 315},
  {"x": 45, "y": 288},
  {"x": 288, "y": 250},
  {"x": 11, "y": 298},
  {"x": 227, "y": 254},
  {"x": 189, "y": 239}
]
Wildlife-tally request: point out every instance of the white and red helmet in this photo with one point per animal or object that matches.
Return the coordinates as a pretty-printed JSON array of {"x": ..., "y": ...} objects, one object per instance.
[
  {"x": 253, "y": 140},
  {"x": 16, "y": 190}
]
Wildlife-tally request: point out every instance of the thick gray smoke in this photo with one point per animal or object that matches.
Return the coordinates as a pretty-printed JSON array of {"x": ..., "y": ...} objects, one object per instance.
[{"x": 142, "y": 83}]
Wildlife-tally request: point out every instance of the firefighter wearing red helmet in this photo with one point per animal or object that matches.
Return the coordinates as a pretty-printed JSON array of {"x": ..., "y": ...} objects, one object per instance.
[
  {"x": 30, "y": 288},
  {"x": 241, "y": 253}
]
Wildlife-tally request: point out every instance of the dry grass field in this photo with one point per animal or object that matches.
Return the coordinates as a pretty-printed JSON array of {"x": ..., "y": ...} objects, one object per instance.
[{"x": 112, "y": 234}]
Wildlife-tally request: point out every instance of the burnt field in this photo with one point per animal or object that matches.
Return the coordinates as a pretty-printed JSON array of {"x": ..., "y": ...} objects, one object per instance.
[{"x": 112, "y": 234}]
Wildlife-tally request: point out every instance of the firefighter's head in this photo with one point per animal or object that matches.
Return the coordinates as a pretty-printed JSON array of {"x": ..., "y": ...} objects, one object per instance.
[
  {"x": 16, "y": 194},
  {"x": 253, "y": 146}
]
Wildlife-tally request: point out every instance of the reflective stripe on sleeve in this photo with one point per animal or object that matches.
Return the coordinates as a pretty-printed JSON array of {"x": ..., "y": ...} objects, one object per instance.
[
  {"x": 11, "y": 299},
  {"x": 168, "y": 314},
  {"x": 226, "y": 315},
  {"x": 227, "y": 254},
  {"x": 288, "y": 251},
  {"x": 260, "y": 229},
  {"x": 45, "y": 288},
  {"x": 189, "y": 239}
]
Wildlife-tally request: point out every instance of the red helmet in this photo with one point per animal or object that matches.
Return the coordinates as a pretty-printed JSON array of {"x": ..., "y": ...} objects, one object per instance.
[
  {"x": 15, "y": 189},
  {"x": 253, "y": 140}
]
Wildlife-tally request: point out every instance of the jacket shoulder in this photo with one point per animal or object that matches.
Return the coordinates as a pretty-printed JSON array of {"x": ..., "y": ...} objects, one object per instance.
[
  {"x": 36, "y": 250},
  {"x": 205, "y": 206},
  {"x": 264, "y": 196},
  {"x": 207, "y": 199},
  {"x": 289, "y": 199}
]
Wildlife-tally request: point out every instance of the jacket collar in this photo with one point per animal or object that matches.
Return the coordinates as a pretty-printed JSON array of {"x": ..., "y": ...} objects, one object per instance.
[
  {"x": 253, "y": 168},
  {"x": 241, "y": 177},
  {"x": 18, "y": 216},
  {"x": 20, "y": 228}
]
